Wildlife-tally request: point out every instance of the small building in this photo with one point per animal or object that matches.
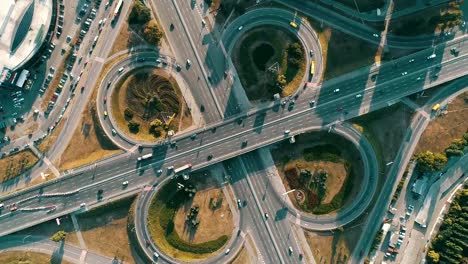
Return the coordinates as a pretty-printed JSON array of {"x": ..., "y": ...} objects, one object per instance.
[
  {"x": 22, "y": 78},
  {"x": 420, "y": 186}
]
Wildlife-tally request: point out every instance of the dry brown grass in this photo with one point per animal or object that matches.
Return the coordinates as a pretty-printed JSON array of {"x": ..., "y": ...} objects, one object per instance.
[
  {"x": 107, "y": 234},
  {"x": 126, "y": 38},
  {"x": 119, "y": 103},
  {"x": 23, "y": 257},
  {"x": 242, "y": 257},
  {"x": 13, "y": 165},
  {"x": 45, "y": 144},
  {"x": 445, "y": 128},
  {"x": 213, "y": 223}
]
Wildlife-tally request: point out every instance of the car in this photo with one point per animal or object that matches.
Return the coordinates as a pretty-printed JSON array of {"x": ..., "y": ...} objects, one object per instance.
[
  {"x": 105, "y": 99},
  {"x": 419, "y": 78},
  {"x": 227, "y": 251},
  {"x": 189, "y": 62},
  {"x": 159, "y": 172},
  {"x": 210, "y": 157},
  {"x": 410, "y": 207},
  {"x": 312, "y": 103},
  {"x": 286, "y": 132},
  {"x": 432, "y": 56},
  {"x": 1, "y": 205},
  {"x": 266, "y": 216},
  {"x": 244, "y": 143},
  {"x": 239, "y": 203},
  {"x": 336, "y": 90},
  {"x": 52, "y": 69},
  {"x": 412, "y": 60},
  {"x": 375, "y": 35},
  {"x": 193, "y": 136},
  {"x": 82, "y": 205},
  {"x": 404, "y": 73},
  {"x": 311, "y": 53},
  {"x": 290, "y": 250},
  {"x": 125, "y": 183},
  {"x": 340, "y": 108},
  {"x": 105, "y": 113},
  {"x": 358, "y": 95},
  {"x": 202, "y": 108},
  {"x": 121, "y": 69},
  {"x": 170, "y": 168},
  {"x": 114, "y": 132},
  {"x": 155, "y": 255},
  {"x": 240, "y": 28},
  {"x": 203, "y": 23},
  {"x": 178, "y": 67}
]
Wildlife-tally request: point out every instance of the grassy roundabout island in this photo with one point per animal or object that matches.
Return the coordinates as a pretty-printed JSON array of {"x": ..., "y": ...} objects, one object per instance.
[
  {"x": 324, "y": 170},
  {"x": 191, "y": 223},
  {"x": 147, "y": 104},
  {"x": 262, "y": 49}
]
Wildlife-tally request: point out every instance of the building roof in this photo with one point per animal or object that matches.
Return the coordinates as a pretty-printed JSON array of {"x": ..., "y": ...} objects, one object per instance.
[{"x": 23, "y": 28}]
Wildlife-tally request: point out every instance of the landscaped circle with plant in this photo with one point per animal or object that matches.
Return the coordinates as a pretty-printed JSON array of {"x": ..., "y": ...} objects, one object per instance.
[
  {"x": 269, "y": 60},
  {"x": 147, "y": 104},
  {"x": 190, "y": 223},
  {"x": 323, "y": 170}
]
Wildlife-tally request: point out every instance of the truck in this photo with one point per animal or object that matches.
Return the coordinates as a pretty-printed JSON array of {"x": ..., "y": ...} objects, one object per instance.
[
  {"x": 118, "y": 7},
  {"x": 145, "y": 157},
  {"x": 183, "y": 168}
]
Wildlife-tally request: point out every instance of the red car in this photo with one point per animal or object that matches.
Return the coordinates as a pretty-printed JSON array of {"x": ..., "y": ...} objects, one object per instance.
[
  {"x": 340, "y": 108},
  {"x": 105, "y": 99}
]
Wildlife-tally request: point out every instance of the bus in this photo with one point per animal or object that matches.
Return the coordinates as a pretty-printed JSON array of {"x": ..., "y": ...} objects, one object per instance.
[
  {"x": 185, "y": 167},
  {"x": 118, "y": 7},
  {"x": 293, "y": 24},
  {"x": 312, "y": 68},
  {"x": 436, "y": 107}
]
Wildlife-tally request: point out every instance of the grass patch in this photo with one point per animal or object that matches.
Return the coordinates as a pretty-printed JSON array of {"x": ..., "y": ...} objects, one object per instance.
[
  {"x": 257, "y": 51},
  {"x": 318, "y": 168},
  {"x": 13, "y": 165},
  {"x": 23, "y": 257},
  {"x": 149, "y": 98},
  {"x": 161, "y": 215},
  {"x": 429, "y": 21}
]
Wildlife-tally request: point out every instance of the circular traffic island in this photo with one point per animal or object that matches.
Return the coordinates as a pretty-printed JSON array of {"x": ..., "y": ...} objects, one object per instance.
[
  {"x": 269, "y": 60},
  {"x": 147, "y": 105},
  {"x": 323, "y": 169},
  {"x": 190, "y": 220}
]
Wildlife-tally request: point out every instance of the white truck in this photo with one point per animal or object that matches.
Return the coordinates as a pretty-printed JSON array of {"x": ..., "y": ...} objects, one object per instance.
[{"x": 145, "y": 157}]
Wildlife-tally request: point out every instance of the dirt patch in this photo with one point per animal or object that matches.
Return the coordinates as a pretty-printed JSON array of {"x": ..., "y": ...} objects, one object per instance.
[
  {"x": 13, "y": 165},
  {"x": 23, "y": 257},
  {"x": 257, "y": 52},
  {"x": 242, "y": 257},
  {"x": 451, "y": 124},
  {"x": 214, "y": 215},
  {"x": 155, "y": 97}
]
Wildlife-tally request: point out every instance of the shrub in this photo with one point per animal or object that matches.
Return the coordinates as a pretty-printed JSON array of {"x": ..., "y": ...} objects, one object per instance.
[
  {"x": 140, "y": 13},
  {"x": 59, "y": 236},
  {"x": 133, "y": 126},
  {"x": 128, "y": 113}
]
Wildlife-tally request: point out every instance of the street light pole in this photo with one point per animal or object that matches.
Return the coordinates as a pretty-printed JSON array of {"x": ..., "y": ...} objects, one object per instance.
[{"x": 286, "y": 193}]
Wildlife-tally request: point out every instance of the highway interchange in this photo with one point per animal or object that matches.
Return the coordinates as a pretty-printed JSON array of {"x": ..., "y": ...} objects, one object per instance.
[{"x": 234, "y": 124}]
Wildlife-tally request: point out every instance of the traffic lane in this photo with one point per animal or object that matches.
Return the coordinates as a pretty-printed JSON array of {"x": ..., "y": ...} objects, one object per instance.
[
  {"x": 252, "y": 216},
  {"x": 183, "y": 52},
  {"x": 279, "y": 223}
]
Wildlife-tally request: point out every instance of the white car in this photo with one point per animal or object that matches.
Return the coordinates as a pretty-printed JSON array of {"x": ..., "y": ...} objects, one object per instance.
[
  {"x": 82, "y": 205},
  {"x": 121, "y": 69},
  {"x": 412, "y": 60},
  {"x": 336, "y": 90},
  {"x": 114, "y": 132},
  {"x": 404, "y": 73},
  {"x": 125, "y": 183},
  {"x": 227, "y": 251},
  {"x": 375, "y": 35},
  {"x": 358, "y": 95},
  {"x": 189, "y": 62},
  {"x": 240, "y": 28}
]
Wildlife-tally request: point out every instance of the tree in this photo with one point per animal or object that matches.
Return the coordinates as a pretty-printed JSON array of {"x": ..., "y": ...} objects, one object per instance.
[
  {"x": 152, "y": 33},
  {"x": 281, "y": 79},
  {"x": 156, "y": 123},
  {"x": 133, "y": 126},
  {"x": 431, "y": 162},
  {"x": 433, "y": 256},
  {"x": 59, "y": 236},
  {"x": 128, "y": 113},
  {"x": 140, "y": 13}
]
